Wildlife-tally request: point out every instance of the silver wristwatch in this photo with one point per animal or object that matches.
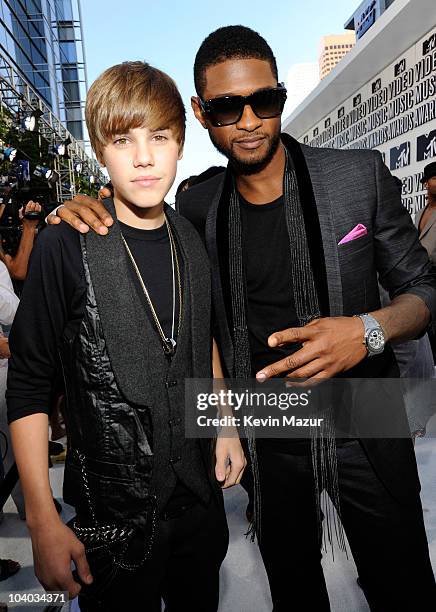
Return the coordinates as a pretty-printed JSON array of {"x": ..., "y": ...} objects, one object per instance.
[{"x": 374, "y": 337}]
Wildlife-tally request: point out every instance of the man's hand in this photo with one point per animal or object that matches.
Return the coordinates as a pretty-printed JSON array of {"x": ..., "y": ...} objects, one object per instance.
[
  {"x": 54, "y": 546},
  {"x": 5, "y": 353},
  {"x": 230, "y": 461},
  {"x": 330, "y": 345},
  {"x": 83, "y": 213}
]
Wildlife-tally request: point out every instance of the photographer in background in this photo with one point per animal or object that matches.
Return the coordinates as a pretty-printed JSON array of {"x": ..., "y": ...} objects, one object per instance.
[{"x": 17, "y": 265}]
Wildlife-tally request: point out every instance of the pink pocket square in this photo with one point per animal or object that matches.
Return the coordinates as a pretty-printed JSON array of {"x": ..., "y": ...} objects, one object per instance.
[{"x": 356, "y": 232}]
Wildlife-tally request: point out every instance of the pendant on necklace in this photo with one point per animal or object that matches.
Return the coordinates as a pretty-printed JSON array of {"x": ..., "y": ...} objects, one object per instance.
[{"x": 169, "y": 346}]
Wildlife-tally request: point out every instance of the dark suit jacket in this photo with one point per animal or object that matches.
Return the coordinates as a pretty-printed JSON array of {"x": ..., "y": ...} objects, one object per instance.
[{"x": 338, "y": 189}]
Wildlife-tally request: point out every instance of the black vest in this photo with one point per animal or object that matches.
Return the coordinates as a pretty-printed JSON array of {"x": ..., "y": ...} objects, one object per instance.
[{"x": 125, "y": 400}]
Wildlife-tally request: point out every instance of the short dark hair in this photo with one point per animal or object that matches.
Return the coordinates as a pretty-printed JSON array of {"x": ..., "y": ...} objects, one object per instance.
[{"x": 230, "y": 42}]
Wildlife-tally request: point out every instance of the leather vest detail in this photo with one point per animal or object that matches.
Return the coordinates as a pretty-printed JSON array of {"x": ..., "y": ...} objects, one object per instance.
[{"x": 109, "y": 463}]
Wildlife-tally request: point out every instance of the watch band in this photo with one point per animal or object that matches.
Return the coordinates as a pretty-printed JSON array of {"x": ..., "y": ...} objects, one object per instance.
[{"x": 370, "y": 324}]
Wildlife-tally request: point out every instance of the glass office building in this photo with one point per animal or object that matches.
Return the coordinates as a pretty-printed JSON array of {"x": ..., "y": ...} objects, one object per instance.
[{"x": 43, "y": 39}]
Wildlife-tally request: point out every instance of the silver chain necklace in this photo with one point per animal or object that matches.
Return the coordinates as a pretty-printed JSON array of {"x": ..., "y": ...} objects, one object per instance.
[{"x": 168, "y": 344}]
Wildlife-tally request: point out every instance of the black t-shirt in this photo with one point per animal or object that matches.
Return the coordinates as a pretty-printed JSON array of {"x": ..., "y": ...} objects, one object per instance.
[
  {"x": 267, "y": 264},
  {"x": 270, "y": 295},
  {"x": 151, "y": 251}
]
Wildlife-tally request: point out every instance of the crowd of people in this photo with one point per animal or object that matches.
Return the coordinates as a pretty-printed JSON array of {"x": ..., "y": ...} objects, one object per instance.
[{"x": 290, "y": 262}]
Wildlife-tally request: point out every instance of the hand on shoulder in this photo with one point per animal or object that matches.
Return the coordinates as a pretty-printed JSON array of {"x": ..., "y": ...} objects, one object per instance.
[{"x": 84, "y": 213}]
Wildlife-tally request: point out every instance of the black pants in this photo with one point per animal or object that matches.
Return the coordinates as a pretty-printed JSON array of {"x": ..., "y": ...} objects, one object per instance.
[
  {"x": 183, "y": 568},
  {"x": 387, "y": 539}
]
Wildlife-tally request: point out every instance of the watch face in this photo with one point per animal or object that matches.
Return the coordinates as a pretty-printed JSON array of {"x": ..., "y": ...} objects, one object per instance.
[{"x": 376, "y": 340}]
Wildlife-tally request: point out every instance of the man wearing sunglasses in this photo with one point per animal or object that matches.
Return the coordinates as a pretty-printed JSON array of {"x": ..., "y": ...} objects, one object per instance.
[{"x": 285, "y": 294}]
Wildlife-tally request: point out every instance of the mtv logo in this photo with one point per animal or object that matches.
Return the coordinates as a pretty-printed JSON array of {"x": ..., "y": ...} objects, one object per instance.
[
  {"x": 341, "y": 112},
  {"x": 429, "y": 44},
  {"x": 400, "y": 67},
  {"x": 426, "y": 146},
  {"x": 376, "y": 86},
  {"x": 357, "y": 100},
  {"x": 315, "y": 132},
  {"x": 400, "y": 156},
  {"x": 327, "y": 122},
  {"x": 306, "y": 139}
]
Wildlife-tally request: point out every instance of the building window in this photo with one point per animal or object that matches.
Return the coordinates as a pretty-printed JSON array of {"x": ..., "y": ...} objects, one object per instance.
[
  {"x": 70, "y": 74},
  {"x": 72, "y": 93},
  {"x": 69, "y": 53},
  {"x": 64, "y": 10},
  {"x": 74, "y": 112},
  {"x": 66, "y": 33},
  {"x": 75, "y": 127}
]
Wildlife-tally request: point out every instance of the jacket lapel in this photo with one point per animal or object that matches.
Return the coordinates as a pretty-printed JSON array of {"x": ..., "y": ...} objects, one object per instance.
[
  {"x": 418, "y": 217},
  {"x": 133, "y": 346},
  {"x": 428, "y": 225},
  {"x": 216, "y": 232},
  {"x": 324, "y": 209}
]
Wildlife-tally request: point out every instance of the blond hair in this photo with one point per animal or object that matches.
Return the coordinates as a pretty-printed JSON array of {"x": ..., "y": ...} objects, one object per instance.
[{"x": 132, "y": 95}]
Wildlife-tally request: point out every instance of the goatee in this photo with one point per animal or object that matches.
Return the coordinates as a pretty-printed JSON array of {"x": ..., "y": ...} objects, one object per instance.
[{"x": 247, "y": 168}]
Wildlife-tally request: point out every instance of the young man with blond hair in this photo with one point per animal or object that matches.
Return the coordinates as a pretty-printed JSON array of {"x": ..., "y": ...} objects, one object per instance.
[{"x": 129, "y": 316}]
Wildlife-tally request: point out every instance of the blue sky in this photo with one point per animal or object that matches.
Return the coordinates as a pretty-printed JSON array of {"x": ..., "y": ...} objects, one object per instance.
[{"x": 168, "y": 34}]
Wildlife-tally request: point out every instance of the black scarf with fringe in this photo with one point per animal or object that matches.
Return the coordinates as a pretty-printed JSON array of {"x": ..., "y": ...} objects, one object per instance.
[{"x": 308, "y": 307}]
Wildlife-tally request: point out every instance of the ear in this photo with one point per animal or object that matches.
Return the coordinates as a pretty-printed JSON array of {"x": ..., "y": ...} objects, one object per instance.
[
  {"x": 179, "y": 157},
  {"x": 195, "y": 104}
]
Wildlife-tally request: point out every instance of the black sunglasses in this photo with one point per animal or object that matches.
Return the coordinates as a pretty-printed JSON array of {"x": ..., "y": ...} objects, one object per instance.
[{"x": 226, "y": 110}]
